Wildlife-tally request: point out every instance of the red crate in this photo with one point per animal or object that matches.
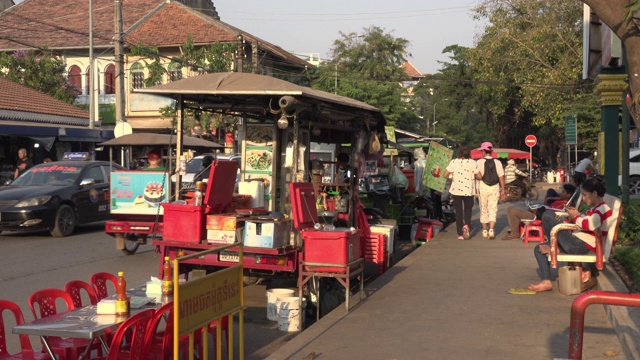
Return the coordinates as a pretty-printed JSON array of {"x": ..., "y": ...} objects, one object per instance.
[
  {"x": 184, "y": 223},
  {"x": 331, "y": 247}
]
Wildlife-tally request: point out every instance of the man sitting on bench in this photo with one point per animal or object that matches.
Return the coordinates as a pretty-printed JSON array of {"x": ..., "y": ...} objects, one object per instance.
[{"x": 516, "y": 214}]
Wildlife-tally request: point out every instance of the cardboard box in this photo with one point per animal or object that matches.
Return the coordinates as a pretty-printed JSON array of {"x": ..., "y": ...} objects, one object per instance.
[
  {"x": 224, "y": 236},
  {"x": 222, "y": 222},
  {"x": 266, "y": 234}
]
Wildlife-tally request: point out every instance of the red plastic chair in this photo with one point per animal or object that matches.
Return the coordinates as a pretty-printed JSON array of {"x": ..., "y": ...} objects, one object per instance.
[
  {"x": 75, "y": 288},
  {"x": 45, "y": 301},
  {"x": 100, "y": 281},
  {"x": 26, "y": 351},
  {"x": 137, "y": 349},
  {"x": 160, "y": 342}
]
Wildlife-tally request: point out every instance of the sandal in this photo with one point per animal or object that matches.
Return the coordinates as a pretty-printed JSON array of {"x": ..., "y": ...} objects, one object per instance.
[
  {"x": 460, "y": 237},
  {"x": 591, "y": 283},
  {"x": 510, "y": 237}
]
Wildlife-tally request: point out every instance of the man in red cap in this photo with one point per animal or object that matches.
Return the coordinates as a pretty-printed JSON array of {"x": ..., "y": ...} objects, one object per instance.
[{"x": 491, "y": 188}]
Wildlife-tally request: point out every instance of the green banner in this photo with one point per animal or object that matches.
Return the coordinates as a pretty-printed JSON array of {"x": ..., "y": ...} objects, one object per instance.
[
  {"x": 571, "y": 129},
  {"x": 438, "y": 158}
]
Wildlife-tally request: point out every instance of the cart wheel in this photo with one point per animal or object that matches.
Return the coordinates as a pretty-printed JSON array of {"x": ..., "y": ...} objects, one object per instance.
[
  {"x": 130, "y": 246},
  {"x": 65, "y": 222}
]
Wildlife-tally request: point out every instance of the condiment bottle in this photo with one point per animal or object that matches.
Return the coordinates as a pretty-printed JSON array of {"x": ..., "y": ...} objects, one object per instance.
[
  {"x": 122, "y": 302},
  {"x": 197, "y": 197},
  {"x": 167, "y": 277}
]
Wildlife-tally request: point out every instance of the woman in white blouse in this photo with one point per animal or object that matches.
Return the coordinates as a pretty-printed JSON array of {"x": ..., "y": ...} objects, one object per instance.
[{"x": 461, "y": 171}]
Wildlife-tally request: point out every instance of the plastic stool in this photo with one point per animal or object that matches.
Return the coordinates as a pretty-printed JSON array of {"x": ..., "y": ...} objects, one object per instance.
[
  {"x": 424, "y": 230},
  {"x": 533, "y": 232}
]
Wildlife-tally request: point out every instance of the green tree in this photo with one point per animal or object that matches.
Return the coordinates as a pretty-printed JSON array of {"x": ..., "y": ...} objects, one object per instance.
[
  {"x": 366, "y": 67},
  {"x": 527, "y": 65},
  {"x": 39, "y": 70},
  {"x": 450, "y": 95}
]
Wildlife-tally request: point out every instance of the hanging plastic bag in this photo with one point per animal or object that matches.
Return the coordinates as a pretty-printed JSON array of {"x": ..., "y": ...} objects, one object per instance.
[{"x": 399, "y": 178}]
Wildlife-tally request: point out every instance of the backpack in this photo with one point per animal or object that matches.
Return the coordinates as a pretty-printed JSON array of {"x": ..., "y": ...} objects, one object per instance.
[{"x": 490, "y": 175}]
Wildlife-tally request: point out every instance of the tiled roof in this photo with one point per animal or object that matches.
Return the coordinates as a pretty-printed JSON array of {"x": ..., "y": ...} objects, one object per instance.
[
  {"x": 59, "y": 24},
  {"x": 65, "y": 23},
  {"x": 17, "y": 97},
  {"x": 411, "y": 70}
]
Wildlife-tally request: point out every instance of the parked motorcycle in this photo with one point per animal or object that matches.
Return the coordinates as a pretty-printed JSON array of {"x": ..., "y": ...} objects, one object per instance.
[{"x": 514, "y": 192}]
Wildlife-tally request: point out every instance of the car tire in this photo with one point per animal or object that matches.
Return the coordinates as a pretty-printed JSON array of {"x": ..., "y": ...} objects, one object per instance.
[
  {"x": 634, "y": 185},
  {"x": 65, "y": 222}
]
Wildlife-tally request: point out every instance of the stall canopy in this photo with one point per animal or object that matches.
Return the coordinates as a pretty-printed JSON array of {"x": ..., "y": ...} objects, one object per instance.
[
  {"x": 502, "y": 153},
  {"x": 267, "y": 98},
  {"x": 150, "y": 139}
]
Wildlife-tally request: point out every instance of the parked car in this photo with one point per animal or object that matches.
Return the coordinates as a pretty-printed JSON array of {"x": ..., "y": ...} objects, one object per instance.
[
  {"x": 57, "y": 196},
  {"x": 197, "y": 166},
  {"x": 634, "y": 172}
]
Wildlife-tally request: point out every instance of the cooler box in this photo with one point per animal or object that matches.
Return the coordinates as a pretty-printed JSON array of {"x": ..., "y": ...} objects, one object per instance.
[
  {"x": 184, "y": 223},
  {"x": 340, "y": 246}
]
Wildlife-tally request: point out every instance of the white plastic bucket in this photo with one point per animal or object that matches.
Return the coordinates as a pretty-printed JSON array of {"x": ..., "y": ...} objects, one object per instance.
[
  {"x": 272, "y": 298},
  {"x": 289, "y": 313}
]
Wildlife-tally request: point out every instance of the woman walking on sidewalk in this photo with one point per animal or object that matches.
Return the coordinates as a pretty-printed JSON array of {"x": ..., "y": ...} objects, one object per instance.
[
  {"x": 461, "y": 171},
  {"x": 491, "y": 188}
]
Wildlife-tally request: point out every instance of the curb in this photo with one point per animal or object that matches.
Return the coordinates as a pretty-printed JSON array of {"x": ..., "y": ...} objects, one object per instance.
[{"x": 624, "y": 319}]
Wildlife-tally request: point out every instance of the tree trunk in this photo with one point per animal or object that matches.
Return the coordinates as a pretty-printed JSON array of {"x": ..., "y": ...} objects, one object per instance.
[{"x": 612, "y": 13}]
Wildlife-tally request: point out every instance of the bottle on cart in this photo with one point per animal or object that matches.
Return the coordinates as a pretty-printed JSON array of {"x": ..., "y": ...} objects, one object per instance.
[
  {"x": 197, "y": 197},
  {"x": 122, "y": 302},
  {"x": 167, "y": 277}
]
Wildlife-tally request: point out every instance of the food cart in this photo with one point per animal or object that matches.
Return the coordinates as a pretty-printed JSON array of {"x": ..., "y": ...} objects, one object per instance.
[
  {"x": 136, "y": 195},
  {"x": 277, "y": 121}
]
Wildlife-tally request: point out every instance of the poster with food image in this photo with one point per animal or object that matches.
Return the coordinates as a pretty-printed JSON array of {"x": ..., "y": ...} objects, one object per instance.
[
  {"x": 258, "y": 160},
  {"x": 138, "y": 192},
  {"x": 260, "y": 135},
  {"x": 438, "y": 158}
]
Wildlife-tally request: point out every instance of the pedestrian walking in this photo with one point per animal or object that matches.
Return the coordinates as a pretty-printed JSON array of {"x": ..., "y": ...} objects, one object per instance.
[
  {"x": 579, "y": 172},
  {"x": 461, "y": 171},
  {"x": 491, "y": 188}
]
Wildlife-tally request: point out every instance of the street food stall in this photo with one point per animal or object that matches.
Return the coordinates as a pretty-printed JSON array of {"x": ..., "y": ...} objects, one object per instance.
[
  {"x": 277, "y": 122},
  {"x": 136, "y": 195}
]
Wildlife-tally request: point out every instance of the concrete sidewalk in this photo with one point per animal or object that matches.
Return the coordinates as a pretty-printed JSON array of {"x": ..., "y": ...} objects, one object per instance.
[{"x": 449, "y": 300}]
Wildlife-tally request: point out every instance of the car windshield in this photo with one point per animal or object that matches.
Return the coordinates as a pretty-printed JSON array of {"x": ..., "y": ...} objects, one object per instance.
[
  {"x": 194, "y": 165},
  {"x": 49, "y": 175}
]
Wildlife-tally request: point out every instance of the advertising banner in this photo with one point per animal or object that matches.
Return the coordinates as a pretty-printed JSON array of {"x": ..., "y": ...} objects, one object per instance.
[
  {"x": 438, "y": 158},
  {"x": 138, "y": 192}
]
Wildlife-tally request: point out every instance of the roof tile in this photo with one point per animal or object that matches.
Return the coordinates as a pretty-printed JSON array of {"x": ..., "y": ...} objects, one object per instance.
[{"x": 17, "y": 97}]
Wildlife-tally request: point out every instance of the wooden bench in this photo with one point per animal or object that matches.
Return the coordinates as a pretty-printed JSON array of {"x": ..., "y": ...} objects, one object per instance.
[{"x": 604, "y": 246}]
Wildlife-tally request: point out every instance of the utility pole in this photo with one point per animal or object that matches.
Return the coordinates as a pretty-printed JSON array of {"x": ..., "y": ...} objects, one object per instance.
[
  {"x": 240, "y": 59},
  {"x": 92, "y": 66},
  {"x": 254, "y": 56},
  {"x": 119, "y": 55}
]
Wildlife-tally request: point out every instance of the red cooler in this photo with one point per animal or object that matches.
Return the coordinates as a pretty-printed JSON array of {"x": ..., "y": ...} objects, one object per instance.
[
  {"x": 187, "y": 222},
  {"x": 340, "y": 246}
]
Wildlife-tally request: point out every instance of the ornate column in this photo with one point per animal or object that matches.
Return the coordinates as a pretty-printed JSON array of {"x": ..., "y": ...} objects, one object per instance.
[{"x": 610, "y": 84}]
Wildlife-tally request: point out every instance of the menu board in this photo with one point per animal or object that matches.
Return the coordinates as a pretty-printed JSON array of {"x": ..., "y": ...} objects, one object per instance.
[
  {"x": 438, "y": 158},
  {"x": 138, "y": 192},
  {"x": 258, "y": 155}
]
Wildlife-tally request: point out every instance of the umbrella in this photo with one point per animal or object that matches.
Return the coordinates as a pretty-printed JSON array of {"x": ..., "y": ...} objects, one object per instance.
[
  {"x": 502, "y": 153},
  {"x": 150, "y": 139}
]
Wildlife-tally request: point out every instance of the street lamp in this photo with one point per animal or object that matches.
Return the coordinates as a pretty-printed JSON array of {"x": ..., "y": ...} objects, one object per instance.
[{"x": 434, "y": 117}]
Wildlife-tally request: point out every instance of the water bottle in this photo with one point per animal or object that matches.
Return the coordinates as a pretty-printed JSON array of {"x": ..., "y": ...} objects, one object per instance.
[{"x": 197, "y": 197}]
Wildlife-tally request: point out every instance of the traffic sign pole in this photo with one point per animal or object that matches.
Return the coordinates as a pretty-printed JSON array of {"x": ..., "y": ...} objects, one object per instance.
[{"x": 530, "y": 141}]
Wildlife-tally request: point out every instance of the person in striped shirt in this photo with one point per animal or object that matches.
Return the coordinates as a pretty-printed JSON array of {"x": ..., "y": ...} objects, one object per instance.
[
  {"x": 511, "y": 174},
  {"x": 577, "y": 242}
]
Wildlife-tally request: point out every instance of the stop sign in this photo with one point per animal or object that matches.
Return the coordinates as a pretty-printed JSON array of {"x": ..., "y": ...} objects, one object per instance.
[{"x": 531, "y": 140}]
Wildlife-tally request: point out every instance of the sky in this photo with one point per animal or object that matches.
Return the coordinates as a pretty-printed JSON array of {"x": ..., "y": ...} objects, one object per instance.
[{"x": 304, "y": 27}]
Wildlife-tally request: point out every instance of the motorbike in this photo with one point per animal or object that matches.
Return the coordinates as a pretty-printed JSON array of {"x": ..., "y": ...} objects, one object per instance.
[{"x": 514, "y": 192}]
